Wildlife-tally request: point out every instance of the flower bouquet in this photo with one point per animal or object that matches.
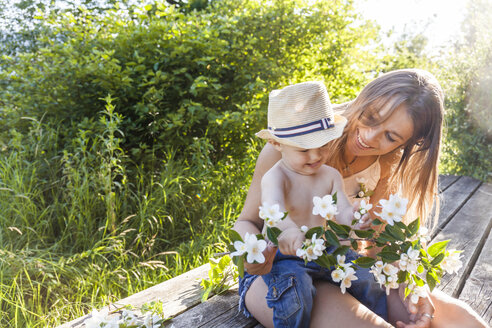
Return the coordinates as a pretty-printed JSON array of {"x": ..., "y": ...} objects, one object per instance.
[{"x": 403, "y": 257}]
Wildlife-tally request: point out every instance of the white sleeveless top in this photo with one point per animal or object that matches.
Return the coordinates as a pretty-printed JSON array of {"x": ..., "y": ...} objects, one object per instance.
[{"x": 371, "y": 174}]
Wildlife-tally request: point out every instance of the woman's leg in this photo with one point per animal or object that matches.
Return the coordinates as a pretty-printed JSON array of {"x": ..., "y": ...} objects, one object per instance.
[
  {"x": 334, "y": 309},
  {"x": 331, "y": 308},
  {"x": 451, "y": 312}
]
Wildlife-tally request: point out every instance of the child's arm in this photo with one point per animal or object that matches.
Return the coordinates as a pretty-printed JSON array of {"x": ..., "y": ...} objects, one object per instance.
[
  {"x": 249, "y": 220},
  {"x": 345, "y": 209},
  {"x": 273, "y": 192}
]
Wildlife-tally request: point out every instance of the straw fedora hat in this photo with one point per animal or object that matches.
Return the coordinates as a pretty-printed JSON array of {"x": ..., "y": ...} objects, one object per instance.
[{"x": 301, "y": 115}]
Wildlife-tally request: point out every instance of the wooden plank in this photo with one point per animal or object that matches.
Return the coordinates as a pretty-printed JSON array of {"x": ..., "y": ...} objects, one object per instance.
[
  {"x": 177, "y": 295},
  {"x": 219, "y": 312},
  {"x": 453, "y": 198},
  {"x": 467, "y": 231},
  {"x": 477, "y": 291},
  {"x": 446, "y": 180}
]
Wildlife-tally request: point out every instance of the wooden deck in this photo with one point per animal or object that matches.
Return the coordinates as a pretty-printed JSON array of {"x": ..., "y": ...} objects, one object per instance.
[{"x": 465, "y": 218}]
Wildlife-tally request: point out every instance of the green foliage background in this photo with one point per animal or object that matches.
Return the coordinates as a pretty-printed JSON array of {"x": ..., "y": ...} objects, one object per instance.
[{"x": 127, "y": 147}]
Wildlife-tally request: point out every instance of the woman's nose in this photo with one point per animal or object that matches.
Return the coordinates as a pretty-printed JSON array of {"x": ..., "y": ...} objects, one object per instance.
[{"x": 371, "y": 134}]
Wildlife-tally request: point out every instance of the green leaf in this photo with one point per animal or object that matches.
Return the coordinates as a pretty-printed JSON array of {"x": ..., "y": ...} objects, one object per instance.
[
  {"x": 364, "y": 233},
  {"x": 438, "y": 259},
  {"x": 338, "y": 229},
  {"x": 342, "y": 250},
  {"x": 414, "y": 226},
  {"x": 389, "y": 257},
  {"x": 385, "y": 237},
  {"x": 234, "y": 236},
  {"x": 324, "y": 261},
  {"x": 418, "y": 281},
  {"x": 395, "y": 232},
  {"x": 273, "y": 233},
  {"x": 335, "y": 198},
  {"x": 206, "y": 293},
  {"x": 365, "y": 262},
  {"x": 354, "y": 244},
  {"x": 316, "y": 230},
  {"x": 402, "y": 276},
  {"x": 401, "y": 225},
  {"x": 431, "y": 281},
  {"x": 240, "y": 266},
  {"x": 331, "y": 238},
  {"x": 376, "y": 222},
  {"x": 434, "y": 249}
]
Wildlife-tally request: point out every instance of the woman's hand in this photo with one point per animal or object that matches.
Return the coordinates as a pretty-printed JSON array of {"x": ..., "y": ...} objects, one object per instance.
[
  {"x": 265, "y": 267},
  {"x": 420, "y": 314}
]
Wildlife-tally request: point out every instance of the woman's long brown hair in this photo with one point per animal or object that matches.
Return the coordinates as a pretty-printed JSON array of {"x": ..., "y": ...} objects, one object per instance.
[{"x": 414, "y": 172}]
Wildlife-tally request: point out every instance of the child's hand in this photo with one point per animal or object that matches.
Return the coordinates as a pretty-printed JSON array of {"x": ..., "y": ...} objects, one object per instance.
[
  {"x": 265, "y": 267},
  {"x": 364, "y": 223},
  {"x": 290, "y": 240}
]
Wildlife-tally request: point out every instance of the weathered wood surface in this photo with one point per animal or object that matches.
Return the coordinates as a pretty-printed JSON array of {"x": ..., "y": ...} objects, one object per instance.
[
  {"x": 465, "y": 218},
  {"x": 477, "y": 291},
  {"x": 177, "y": 295}
]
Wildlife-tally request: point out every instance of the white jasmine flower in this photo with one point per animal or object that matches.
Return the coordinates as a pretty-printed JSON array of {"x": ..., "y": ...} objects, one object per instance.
[
  {"x": 271, "y": 222},
  {"x": 417, "y": 292},
  {"x": 311, "y": 249},
  {"x": 240, "y": 246},
  {"x": 304, "y": 229},
  {"x": 393, "y": 209},
  {"x": 388, "y": 213},
  {"x": 325, "y": 207},
  {"x": 389, "y": 269},
  {"x": 399, "y": 204},
  {"x": 365, "y": 206},
  {"x": 337, "y": 275},
  {"x": 403, "y": 262},
  {"x": 254, "y": 249},
  {"x": 97, "y": 318},
  {"x": 360, "y": 194},
  {"x": 150, "y": 320},
  {"x": 271, "y": 213},
  {"x": 452, "y": 263},
  {"x": 413, "y": 260},
  {"x": 357, "y": 215},
  {"x": 347, "y": 280},
  {"x": 422, "y": 235},
  {"x": 341, "y": 262},
  {"x": 391, "y": 283},
  {"x": 129, "y": 318}
]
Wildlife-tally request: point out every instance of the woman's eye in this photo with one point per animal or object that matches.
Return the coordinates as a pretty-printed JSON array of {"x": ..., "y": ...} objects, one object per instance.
[
  {"x": 371, "y": 118},
  {"x": 388, "y": 135}
]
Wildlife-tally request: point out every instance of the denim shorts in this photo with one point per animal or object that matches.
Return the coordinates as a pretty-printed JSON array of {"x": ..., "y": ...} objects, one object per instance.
[{"x": 291, "y": 290}]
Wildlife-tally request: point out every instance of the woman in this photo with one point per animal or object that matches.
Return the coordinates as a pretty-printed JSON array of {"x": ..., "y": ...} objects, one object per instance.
[{"x": 392, "y": 140}]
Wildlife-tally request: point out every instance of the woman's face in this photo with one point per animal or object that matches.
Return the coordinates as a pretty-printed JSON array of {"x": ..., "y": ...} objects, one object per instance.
[{"x": 382, "y": 138}]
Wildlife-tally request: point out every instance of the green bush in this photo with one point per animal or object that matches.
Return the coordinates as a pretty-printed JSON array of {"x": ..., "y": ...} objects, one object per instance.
[{"x": 175, "y": 77}]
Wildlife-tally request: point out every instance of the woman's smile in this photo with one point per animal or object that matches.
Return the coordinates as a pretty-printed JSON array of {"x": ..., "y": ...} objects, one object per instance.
[{"x": 361, "y": 142}]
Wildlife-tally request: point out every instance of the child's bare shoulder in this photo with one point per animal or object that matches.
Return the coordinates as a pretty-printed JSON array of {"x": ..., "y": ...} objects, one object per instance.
[
  {"x": 275, "y": 173},
  {"x": 329, "y": 172}
]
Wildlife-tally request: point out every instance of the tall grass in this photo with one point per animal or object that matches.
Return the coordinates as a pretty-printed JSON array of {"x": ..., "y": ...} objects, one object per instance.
[{"x": 86, "y": 226}]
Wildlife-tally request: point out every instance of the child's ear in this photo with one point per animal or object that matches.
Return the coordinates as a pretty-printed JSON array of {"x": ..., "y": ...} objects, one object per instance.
[{"x": 276, "y": 144}]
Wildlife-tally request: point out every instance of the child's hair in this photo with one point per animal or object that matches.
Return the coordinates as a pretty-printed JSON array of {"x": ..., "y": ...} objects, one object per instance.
[{"x": 415, "y": 170}]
